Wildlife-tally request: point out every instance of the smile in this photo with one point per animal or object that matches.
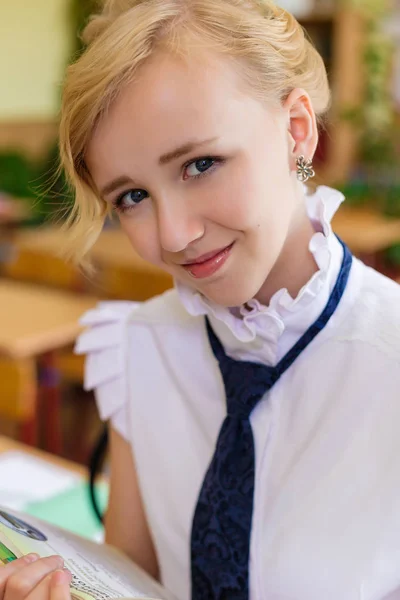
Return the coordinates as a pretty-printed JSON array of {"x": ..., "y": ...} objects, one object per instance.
[{"x": 208, "y": 264}]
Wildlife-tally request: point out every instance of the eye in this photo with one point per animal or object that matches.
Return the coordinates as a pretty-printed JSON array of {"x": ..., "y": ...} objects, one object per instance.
[
  {"x": 197, "y": 167},
  {"x": 129, "y": 200}
]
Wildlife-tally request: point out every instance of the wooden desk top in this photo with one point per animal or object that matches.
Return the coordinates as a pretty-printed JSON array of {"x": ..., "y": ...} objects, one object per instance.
[
  {"x": 112, "y": 249},
  {"x": 7, "y": 445},
  {"x": 35, "y": 320},
  {"x": 365, "y": 230}
]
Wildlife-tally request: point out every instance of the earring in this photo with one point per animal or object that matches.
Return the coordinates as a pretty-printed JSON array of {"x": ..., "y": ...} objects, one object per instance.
[{"x": 305, "y": 169}]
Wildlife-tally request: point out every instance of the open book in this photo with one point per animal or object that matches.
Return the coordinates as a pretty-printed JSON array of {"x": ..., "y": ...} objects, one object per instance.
[{"x": 99, "y": 572}]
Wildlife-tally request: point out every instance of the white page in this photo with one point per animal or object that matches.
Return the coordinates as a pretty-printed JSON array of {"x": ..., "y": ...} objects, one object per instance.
[
  {"x": 25, "y": 478},
  {"x": 98, "y": 571}
]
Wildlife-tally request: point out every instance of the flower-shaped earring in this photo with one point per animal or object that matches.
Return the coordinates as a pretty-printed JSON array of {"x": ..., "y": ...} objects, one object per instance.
[{"x": 305, "y": 169}]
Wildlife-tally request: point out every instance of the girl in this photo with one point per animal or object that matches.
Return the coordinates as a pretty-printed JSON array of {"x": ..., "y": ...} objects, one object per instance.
[{"x": 254, "y": 408}]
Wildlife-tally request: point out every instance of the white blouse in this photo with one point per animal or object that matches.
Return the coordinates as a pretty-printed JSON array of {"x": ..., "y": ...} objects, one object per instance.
[{"x": 326, "y": 521}]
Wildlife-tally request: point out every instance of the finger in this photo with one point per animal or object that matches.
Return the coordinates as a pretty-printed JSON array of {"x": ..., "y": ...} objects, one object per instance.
[
  {"x": 19, "y": 585},
  {"x": 60, "y": 582},
  {"x": 12, "y": 567},
  {"x": 53, "y": 587}
]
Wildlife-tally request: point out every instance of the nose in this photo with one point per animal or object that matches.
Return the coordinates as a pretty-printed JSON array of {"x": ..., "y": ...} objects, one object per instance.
[{"x": 178, "y": 225}]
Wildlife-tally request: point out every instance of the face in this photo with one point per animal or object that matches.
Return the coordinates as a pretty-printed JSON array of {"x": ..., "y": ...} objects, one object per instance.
[{"x": 199, "y": 173}]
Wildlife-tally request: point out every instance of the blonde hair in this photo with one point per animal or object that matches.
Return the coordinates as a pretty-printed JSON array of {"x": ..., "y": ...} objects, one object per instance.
[{"x": 265, "y": 39}]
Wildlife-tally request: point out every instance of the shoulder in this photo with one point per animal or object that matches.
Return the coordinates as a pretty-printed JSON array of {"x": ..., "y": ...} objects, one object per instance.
[
  {"x": 118, "y": 334},
  {"x": 379, "y": 300},
  {"x": 374, "y": 317},
  {"x": 165, "y": 309},
  {"x": 110, "y": 324}
]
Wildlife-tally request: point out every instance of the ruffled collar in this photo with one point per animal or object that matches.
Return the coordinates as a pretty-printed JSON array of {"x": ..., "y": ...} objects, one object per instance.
[{"x": 266, "y": 333}]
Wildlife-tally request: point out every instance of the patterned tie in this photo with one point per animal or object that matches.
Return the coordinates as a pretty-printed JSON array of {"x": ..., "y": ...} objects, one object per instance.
[{"x": 220, "y": 543}]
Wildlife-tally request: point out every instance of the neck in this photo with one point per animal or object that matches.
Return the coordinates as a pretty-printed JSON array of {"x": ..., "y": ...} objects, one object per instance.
[{"x": 295, "y": 265}]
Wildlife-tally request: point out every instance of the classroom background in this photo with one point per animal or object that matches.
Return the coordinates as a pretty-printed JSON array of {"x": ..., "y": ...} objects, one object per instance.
[{"x": 48, "y": 424}]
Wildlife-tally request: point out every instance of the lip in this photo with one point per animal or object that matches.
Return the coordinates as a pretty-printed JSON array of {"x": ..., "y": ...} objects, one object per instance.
[
  {"x": 204, "y": 257},
  {"x": 208, "y": 264}
]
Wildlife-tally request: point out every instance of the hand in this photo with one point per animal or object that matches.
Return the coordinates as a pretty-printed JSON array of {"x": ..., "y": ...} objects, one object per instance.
[{"x": 34, "y": 578}]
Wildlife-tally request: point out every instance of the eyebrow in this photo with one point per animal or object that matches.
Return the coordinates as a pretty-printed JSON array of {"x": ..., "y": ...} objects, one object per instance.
[
  {"x": 182, "y": 150},
  {"x": 115, "y": 184},
  {"x": 123, "y": 180}
]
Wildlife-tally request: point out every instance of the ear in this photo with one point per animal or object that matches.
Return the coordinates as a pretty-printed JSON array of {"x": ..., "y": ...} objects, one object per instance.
[{"x": 302, "y": 125}]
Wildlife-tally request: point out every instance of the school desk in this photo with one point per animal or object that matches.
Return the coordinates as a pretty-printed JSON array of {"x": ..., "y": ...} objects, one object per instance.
[
  {"x": 35, "y": 323},
  {"x": 120, "y": 272},
  {"x": 10, "y": 445},
  {"x": 49, "y": 488},
  {"x": 366, "y": 231}
]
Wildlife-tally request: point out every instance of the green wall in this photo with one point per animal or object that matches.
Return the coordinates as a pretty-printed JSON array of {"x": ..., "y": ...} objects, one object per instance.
[{"x": 34, "y": 46}]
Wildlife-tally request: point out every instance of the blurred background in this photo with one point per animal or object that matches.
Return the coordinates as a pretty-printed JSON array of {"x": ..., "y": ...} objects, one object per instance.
[{"x": 42, "y": 402}]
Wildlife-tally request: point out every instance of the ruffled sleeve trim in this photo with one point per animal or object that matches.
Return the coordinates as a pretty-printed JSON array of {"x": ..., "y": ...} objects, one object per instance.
[{"x": 104, "y": 343}]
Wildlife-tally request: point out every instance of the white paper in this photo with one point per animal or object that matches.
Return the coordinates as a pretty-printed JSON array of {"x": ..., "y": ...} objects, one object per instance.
[
  {"x": 25, "y": 478},
  {"x": 98, "y": 572}
]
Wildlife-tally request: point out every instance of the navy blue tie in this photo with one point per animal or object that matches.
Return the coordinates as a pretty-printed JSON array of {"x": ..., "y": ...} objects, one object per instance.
[{"x": 220, "y": 542}]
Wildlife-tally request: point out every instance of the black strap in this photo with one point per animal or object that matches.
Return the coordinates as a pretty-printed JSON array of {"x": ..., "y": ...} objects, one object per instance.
[{"x": 96, "y": 462}]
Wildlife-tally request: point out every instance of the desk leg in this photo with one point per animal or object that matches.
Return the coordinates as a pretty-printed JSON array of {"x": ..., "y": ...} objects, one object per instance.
[
  {"x": 50, "y": 392},
  {"x": 19, "y": 397},
  {"x": 28, "y": 432}
]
